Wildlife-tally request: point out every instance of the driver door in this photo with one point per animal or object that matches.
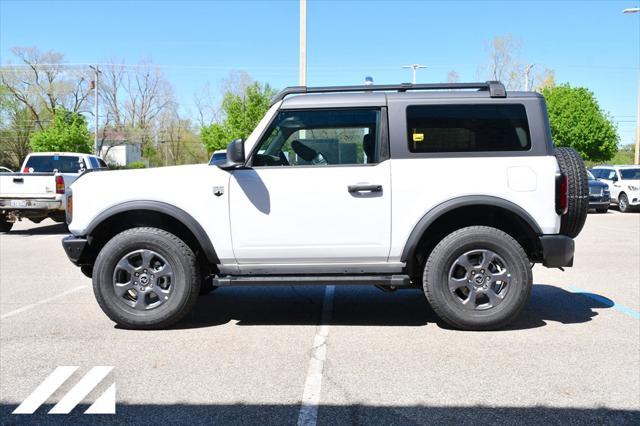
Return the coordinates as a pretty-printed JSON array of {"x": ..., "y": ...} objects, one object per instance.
[{"x": 316, "y": 191}]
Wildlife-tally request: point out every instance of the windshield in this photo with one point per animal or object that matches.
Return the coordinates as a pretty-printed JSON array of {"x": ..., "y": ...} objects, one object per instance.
[
  {"x": 590, "y": 176},
  {"x": 630, "y": 174},
  {"x": 51, "y": 163}
]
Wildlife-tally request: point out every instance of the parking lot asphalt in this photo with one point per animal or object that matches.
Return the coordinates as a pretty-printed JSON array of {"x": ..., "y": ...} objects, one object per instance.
[{"x": 252, "y": 355}]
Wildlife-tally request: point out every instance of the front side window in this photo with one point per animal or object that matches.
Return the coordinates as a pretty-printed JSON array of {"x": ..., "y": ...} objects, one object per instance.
[
  {"x": 467, "y": 128},
  {"x": 319, "y": 138}
]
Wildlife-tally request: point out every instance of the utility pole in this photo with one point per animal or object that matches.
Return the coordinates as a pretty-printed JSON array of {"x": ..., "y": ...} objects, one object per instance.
[
  {"x": 527, "y": 72},
  {"x": 96, "y": 83},
  {"x": 636, "y": 156},
  {"x": 414, "y": 67},
  {"x": 303, "y": 42}
]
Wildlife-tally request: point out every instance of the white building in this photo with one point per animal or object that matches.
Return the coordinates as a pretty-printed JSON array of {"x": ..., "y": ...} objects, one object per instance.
[{"x": 122, "y": 154}]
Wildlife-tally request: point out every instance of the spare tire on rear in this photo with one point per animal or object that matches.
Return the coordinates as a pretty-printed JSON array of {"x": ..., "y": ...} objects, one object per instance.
[{"x": 571, "y": 164}]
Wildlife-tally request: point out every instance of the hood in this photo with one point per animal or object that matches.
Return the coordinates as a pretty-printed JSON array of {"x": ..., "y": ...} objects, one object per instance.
[
  {"x": 153, "y": 178},
  {"x": 597, "y": 184}
]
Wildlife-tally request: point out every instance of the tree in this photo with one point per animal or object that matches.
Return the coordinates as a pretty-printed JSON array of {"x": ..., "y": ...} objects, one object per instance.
[
  {"x": 547, "y": 79},
  {"x": 16, "y": 127},
  {"x": 504, "y": 63},
  {"x": 68, "y": 132},
  {"x": 43, "y": 84},
  {"x": 453, "y": 77},
  {"x": 241, "y": 113},
  {"x": 578, "y": 121}
]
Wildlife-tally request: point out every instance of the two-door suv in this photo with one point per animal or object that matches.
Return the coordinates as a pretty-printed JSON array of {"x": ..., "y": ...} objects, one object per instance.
[{"x": 453, "y": 188}]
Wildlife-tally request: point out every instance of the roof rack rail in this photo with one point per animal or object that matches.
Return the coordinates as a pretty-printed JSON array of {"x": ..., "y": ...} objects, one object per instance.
[{"x": 495, "y": 88}]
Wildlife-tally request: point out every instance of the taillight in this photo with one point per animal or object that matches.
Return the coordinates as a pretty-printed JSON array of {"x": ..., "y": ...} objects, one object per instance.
[
  {"x": 69, "y": 210},
  {"x": 59, "y": 184},
  {"x": 562, "y": 194}
]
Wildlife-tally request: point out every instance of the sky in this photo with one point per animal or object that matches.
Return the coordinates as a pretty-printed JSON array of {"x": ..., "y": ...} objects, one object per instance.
[{"x": 587, "y": 43}]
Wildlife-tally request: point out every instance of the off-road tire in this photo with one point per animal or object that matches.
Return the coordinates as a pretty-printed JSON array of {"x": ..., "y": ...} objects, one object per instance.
[
  {"x": 5, "y": 226},
  {"x": 440, "y": 262},
  {"x": 571, "y": 164},
  {"x": 186, "y": 278}
]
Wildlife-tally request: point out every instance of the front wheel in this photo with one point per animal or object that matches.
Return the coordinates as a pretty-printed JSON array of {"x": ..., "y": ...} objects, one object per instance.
[
  {"x": 146, "y": 278},
  {"x": 623, "y": 203},
  {"x": 477, "y": 278}
]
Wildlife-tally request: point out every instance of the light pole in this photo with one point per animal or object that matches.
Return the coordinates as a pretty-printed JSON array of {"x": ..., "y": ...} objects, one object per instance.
[
  {"x": 414, "y": 67},
  {"x": 636, "y": 156},
  {"x": 303, "y": 42},
  {"x": 97, "y": 72},
  {"x": 527, "y": 74}
]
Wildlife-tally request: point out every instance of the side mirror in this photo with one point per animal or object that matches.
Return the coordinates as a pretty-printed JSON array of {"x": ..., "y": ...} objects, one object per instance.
[
  {"x": 235, "y": 155},
  {"x": 614, "y": 179}
]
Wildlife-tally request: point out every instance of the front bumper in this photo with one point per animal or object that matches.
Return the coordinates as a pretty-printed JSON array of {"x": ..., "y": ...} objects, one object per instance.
[
  {"x": 75, "y": 247},
  {"x": 599, "y": 204},
  {"x": 557, "y": 251}
]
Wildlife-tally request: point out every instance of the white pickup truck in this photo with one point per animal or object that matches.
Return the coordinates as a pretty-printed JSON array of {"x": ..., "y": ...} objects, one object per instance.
[{"x": 38, "y": 192}]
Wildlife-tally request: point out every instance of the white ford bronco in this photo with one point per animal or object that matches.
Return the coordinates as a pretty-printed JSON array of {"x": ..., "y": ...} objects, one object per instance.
[{"x": 453, "y": 188}]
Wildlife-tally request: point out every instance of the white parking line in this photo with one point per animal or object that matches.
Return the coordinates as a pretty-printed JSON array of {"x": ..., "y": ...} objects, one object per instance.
[
  {"x": 308, "y": 415},
  {"x": 42, "y": 302}
]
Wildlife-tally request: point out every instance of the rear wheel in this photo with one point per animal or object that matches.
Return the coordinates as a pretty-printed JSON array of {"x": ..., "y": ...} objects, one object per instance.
[
  {"x": 146, "y": 278},
  {"x": 5, "y": 226},
  {"x": 477, "y": 278},
  {"x": 623, "y": 203}
]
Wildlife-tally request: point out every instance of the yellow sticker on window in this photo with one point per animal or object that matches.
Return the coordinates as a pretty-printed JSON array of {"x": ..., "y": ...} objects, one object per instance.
[{"x": 418, "y": 137}]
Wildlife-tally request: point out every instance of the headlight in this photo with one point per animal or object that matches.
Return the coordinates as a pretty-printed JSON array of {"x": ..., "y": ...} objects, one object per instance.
[{"x": 633, "y": 188}]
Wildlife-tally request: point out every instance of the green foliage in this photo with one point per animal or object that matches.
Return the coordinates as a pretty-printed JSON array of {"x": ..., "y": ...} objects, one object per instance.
[
  {"x": 578, "y": 122},
  {"x": 68, "y": 133},
  {"x": 242, "y": 113},
  {"x": 16, "y": 126},
  {"x": 137, "y": 165},
  {"x": 625, "y": 155}
]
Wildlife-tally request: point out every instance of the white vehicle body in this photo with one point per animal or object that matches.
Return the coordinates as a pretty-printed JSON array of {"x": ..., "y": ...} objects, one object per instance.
[
  {"x": 37, "y": 193},
  {"x": 457, "y": 191},
  {"x": 616, "y": 177},
  {"x": 262, "y": 220}
]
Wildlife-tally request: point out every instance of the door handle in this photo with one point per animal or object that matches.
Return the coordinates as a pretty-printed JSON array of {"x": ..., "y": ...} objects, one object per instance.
[
  {"x": 365, "y": 188},
  {"x": 18, "y": 180}
]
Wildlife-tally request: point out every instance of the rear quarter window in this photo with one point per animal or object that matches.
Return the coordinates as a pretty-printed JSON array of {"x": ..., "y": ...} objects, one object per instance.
[{"x": 467, "y": 128}]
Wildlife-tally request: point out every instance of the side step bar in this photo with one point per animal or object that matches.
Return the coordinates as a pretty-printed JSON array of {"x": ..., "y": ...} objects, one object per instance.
[{"x": 377, "y": 280}]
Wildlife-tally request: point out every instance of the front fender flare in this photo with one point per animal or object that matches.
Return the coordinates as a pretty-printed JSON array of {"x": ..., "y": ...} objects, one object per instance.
[{"x": 158, "y": 206}]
